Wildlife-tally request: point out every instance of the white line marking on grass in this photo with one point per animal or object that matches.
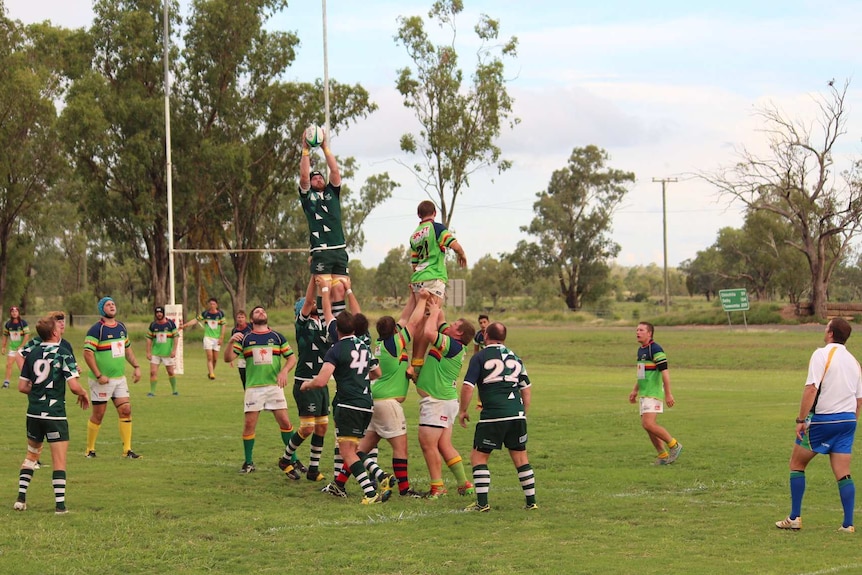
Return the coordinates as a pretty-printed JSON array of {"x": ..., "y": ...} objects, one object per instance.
[
  {"x": 838, "y": 569},
  {"x": 376, "y": 519}
]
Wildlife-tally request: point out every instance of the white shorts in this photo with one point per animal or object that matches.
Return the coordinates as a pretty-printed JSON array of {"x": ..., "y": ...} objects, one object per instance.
[
  {"x": 388, "y": 420},
  {"x": 116, "y": 388},
  {"x": 264, "y": 398},
  {"x": 651, "y": 405},
  {"x": 434, "y": 287},
  {"x": 437, "y": 412},
  {"x": 162, "y": 360},
  {"x": 211, "y": 344},
  {"x": 12, "y": 353}
]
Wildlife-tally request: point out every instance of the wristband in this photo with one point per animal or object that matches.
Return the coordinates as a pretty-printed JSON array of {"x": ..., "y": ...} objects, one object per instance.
[
  {"x": 800, "y": 421},
  {"x": 348, "y": 292},
  {"x": 99, "y": 376},
  {"x": 305, "y": 152},
  {"x": 326, "y": 151},
  {"x": 136, "y": 366},
  {"x": 324, "y": 290}
]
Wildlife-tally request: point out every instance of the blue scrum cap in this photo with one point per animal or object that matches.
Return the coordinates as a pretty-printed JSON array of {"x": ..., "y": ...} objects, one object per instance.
[{"x": 102, "y": 303}]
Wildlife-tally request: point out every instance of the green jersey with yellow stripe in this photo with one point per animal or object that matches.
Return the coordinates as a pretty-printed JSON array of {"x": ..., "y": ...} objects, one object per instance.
[
  {"x": 442, "y": 367},
  {"x": 651, "y": 362},
  {"x": 108, "y": 343},
  {"x": 391, "y": 354}
]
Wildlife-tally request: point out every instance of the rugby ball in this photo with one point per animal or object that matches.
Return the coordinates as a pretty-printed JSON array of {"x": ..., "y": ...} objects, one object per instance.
[{"x": 314, "y": 136}]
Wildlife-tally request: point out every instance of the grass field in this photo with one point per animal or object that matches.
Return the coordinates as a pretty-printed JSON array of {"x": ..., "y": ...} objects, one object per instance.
[{"x": 603, "y": 507}]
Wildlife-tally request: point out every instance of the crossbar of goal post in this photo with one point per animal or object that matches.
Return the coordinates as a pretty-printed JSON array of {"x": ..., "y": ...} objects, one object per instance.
[{"x": 174, "y": 312}]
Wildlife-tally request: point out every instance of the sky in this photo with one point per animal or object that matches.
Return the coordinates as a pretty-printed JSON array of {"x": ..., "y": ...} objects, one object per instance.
[{"x": 669, "y": 89}]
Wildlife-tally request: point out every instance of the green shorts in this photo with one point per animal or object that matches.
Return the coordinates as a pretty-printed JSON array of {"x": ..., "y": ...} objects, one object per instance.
[
  {"x": 329, "y": 262},
  {"x": 50, "y": 430},
  {"x": 496, "y": 434},
  {"x": 311, "y": 403},
  {"x": 350, "y": 422}
]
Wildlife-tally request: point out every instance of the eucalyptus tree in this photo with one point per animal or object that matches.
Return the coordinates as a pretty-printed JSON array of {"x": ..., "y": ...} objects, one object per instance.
[
  {"x": 459, "y": 124},
  {"x": 113, "y": 131},
  {"x": 797, "y": 182},
  {"x": 30, "y": 164},
  {"x": 572, "y": 223}
]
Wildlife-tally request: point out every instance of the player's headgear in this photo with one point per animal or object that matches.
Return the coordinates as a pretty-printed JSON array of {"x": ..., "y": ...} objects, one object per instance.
[
  {"x": 14, "y": 308},
  {"x": 159, "y": 309},
  {"x": 102, "y": 303},
  {"x": 315, "y": 173}
]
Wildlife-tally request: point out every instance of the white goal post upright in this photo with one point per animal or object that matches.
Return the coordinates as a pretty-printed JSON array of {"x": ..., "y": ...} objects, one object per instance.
[
  {"x": 172, "y": 310},
  {"x": 175, "y": 312}
]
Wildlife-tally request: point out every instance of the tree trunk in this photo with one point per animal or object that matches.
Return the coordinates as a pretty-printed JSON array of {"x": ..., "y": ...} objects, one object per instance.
[
  {"x": 3, "y": 270},
  {"x": 818, "y": 297},
  {"x": 184, "y": 273},
  {"x": 570, "y": 292},
  {"x": 239, "y": 292}
]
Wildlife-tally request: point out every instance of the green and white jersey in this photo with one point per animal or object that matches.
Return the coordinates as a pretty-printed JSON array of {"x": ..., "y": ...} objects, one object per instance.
[
  {"x": 162, "y": 334},
  {"x": 442, "y": 367},
  {"x": 65, "y": 346},
  {"x": 499, "y": 375},
  {"x": 651, "y": 362},
  {"x": 391, "y": 354},
  {"x": 48, "y": 368},
  {"x": 108, "y": 344},
  {"x": 312, "y": 343},
  {"x": 264, "y": 354},
  {"x": 353, "y": 361},
  {"x": 15, "y": 332},
  {"x": 323, "y": 214},
  {"x": 212, "y": 322},
  {"x": 428, "y": 246}
]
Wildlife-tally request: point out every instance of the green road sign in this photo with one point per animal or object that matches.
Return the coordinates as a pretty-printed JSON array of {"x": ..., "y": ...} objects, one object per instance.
[{"x": 734, "y": 299}]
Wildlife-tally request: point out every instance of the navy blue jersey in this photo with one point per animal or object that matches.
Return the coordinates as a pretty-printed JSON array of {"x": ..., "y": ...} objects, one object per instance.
[{"x": 353, "y": 361}]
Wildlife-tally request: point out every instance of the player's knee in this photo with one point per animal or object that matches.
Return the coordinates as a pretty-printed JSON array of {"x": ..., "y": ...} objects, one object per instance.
[{"x": 124, "y": 409}]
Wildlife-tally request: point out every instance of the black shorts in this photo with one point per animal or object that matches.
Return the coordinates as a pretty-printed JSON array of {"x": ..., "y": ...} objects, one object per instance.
[
  {"x": 332, "y": 262},
  {"x": 350, "y": 422},
  {"x": 311, "y": 403},
  {"x": 50, "y": 430},
  {"x": 511, "y": 434}
]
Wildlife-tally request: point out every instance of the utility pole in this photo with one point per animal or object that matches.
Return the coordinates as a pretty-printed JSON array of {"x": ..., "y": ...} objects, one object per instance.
[{"x": 664, "y": 183}]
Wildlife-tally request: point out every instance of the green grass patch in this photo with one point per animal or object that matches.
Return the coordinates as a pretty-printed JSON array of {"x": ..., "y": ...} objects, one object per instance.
[{"x": 183, "y": 508}]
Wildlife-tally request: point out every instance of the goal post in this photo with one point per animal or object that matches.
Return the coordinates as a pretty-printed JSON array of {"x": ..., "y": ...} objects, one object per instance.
[{"x": 174, "y": 312}]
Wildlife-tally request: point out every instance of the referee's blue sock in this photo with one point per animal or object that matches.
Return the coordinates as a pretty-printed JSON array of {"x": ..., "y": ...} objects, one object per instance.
[
  {"x": 797, "y": 490},
  {"x": 847, "y": 492}
]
